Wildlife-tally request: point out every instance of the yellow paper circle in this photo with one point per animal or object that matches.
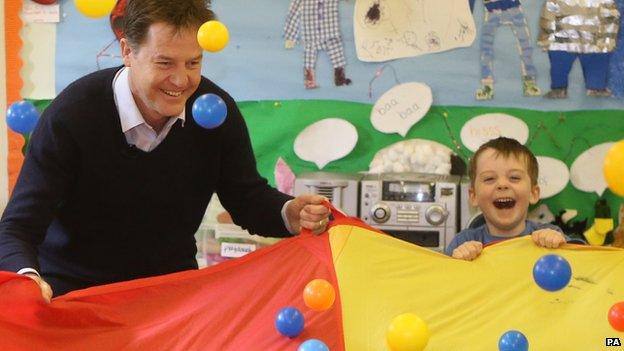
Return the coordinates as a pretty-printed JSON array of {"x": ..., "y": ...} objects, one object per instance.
[
  {"x": 213, "y": 36},
  {"x": 95, "y": 8},
  {"x": 614, "y": 168},
  {"x": 407, "y": 332}
]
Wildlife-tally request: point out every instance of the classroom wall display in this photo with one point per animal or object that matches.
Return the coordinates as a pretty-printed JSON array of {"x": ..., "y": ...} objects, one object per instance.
[
  {"x": 266, "y": 79},
  {"x": 326, "y": 140},
  {"x": 391, "y": 29},
  {"x": 4, "y": 179},
  {"x": 317, "y": 25},
  {"x": 616, "y": 65},
  {"x": 482, "y": 128},
  {"x": 586, "y": 172},
  {"x": 398, "y": 109},
  {"x": 13, "y": 45},
  {"x": 413, "y": 155},
  {"x": 586, "y": 30},
  {"x": 562, "y": 136},
  {"x": 553, "y": 176},
  {"x": 256, "y": 66},
  {"x": 506, "y": 13}
]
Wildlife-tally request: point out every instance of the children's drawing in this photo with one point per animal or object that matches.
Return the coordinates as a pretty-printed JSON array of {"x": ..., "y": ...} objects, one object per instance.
[
  {"x": 586, "y": 29},
  {"x": 391, "y": 29},
  {"x": 499, "y": 13},
  {"x": 319, "y": 24}
]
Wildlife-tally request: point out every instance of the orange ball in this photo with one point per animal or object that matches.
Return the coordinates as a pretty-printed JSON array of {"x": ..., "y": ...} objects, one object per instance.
[
  {"x": 616, "y": 316},
  {"x": 319, "y": 295}
]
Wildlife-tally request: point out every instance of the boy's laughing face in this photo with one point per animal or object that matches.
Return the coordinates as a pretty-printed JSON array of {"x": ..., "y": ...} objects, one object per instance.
[{"x": 502, "y": 190}]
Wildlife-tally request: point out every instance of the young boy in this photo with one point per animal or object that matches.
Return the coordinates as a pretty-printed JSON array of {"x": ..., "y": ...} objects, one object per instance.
[{"x": 503, "y": 176}]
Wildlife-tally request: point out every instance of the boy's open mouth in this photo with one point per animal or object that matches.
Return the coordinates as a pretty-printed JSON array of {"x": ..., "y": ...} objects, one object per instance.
[{"x": 505, "y": 202}]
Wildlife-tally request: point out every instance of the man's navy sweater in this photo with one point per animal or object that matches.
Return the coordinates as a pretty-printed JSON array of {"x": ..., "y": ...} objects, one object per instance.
[{"x": 89, "y": 209}]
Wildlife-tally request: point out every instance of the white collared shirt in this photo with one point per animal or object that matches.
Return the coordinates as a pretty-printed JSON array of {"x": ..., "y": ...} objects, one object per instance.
[{"x": 133, "y": 125}]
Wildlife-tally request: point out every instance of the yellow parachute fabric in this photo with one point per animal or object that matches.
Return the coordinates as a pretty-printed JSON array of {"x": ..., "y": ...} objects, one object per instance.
[{"x": 469, "y": 305}]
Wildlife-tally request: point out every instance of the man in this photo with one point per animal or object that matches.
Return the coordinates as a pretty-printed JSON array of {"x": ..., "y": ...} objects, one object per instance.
[{"x": 118, "y": 175}]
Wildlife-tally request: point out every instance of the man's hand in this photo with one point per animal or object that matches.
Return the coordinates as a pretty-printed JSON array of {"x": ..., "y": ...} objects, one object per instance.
[
  {"x": 46, "y": 290},
  {"x": 289, "y": 44},
  {"x": 308, "y": 211},
  {"x": 549, "y": 238},
  {"x": 468, "y": 251}
]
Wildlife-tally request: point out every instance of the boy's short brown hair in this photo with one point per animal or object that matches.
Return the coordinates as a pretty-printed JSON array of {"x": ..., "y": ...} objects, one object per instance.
[
  {"x": 139, "y": 15},
  {"x": 506, "y": 147}
]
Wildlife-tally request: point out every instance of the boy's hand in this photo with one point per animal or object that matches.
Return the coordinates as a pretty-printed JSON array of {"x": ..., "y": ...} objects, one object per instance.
[
  {"x": 549, "y": 238},
  {"x": 468, "y": 251}
]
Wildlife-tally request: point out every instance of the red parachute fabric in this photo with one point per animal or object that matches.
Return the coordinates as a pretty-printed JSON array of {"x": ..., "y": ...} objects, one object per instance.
[{"x": 231, "y": 306}]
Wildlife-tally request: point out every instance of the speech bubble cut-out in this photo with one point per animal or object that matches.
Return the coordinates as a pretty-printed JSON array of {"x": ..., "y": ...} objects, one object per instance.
[
  {"x": 326, "y": 140},
  {"x": 586, "y": 171},
  {"x": 486, "y": 127},
  {"x": 399, "y": 108},
  {"x": 553, "y": 176}
]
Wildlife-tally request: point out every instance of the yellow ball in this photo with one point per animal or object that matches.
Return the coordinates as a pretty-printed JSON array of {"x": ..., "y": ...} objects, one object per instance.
[
  {"x": 95, "y": 8},
  {"x": 213, "y": 36},
  {"x": 407, "y": 332},
  {"x": 614, "y": 168}
]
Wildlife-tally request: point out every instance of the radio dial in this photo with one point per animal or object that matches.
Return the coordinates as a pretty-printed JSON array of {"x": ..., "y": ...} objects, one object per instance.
[
  {"x": 436, "y": 215},
  {"x": 380, "y": 213}
]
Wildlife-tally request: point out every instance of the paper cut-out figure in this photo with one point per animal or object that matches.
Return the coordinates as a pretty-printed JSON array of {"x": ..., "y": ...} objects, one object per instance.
[
  {"x": 616, "y": 64},
  {"x": 319, "y": 23},
  {"x": 586, "y": 29},
  {"x": 618, "y": 234},
  {"x": 284, "y": 177},
  {"x": 498, "y": 13},
  {"x": 598, "y": 232}
]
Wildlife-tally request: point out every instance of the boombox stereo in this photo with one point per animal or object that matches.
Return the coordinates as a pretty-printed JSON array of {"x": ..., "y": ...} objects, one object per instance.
[
  {"x": 340, "y": 188},
  {"x": 415, "y": 207}
]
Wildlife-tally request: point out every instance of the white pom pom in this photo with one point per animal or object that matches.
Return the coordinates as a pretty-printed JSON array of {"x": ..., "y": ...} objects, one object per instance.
[
  {"x": 405, "y": 160},
  {"x": 398, "y": 148},
  {"x": 427, "y": 150},
  {"x": 409, "y": 148},
  {"x": 420, "y": 158},
  {"x": 443, "y": 154},
  {"x": 398, "y": 168},
  {"x": 388, "y": 167},
  {"x": 443, "y": 169},
  {"x": 392, "y": 155}
]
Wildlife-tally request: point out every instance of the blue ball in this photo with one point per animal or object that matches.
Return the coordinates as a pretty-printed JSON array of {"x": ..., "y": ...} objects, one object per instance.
[
  {"x": 209, "y": 111},
  {"x": 22, "y": 117},
  {"x": 552, "y": 272},
  {"x": 513, "y": 340},
  {"x": 313, "y": 345},
  {"x": 289, "y": 322}
]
